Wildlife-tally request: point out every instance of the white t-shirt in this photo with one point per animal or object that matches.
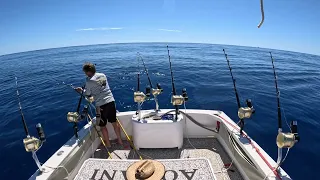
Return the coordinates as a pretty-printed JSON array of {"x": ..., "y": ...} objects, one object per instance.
[{"x": 98, "y": 87}]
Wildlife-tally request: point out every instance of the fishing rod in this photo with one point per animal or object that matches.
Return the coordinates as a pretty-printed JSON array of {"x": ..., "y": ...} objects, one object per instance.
[
  {"x": 243, "y": 112},
  {"x": 20, "y": 109},
  {"x": 233, "y": 80},
  {"x": 278, "y": 94},
  {"x": 284, "y": 140},
  {"x": 176, "y": 100},
  {"x": 75, "y": 117},
  {"x": 174, "y": 92},
  {"x": 75, "y": 125},
  {"x": 139, "y": 96},
  {"x": 31, "y": 143},
  {"x": 146, "y": 70},
  {"x": 86, "y": 114}
]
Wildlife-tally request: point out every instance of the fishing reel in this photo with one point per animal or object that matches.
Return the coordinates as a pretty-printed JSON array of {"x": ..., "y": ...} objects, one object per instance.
[
  {"x": 33, "y": 143},
  {"x": 139, "y": 97},
  {"x": 178, "y": 100},
  {"x": 288, "y": 140},
  {"x": 75, "y": 117},
  {"x": 246, "y": 112},
  {"x": 157, "y": 91},
  {"x": 153, "y": 91}
]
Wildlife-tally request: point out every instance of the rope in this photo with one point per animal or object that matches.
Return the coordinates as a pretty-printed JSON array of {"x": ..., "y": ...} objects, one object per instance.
[
  {"x": 128, "y": 138},
  {"x": 262, "y": 14},
  {"x": 102, "y": 141}
]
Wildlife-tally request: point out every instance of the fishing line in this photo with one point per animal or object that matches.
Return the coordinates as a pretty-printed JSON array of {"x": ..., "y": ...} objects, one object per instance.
[{"x": 285, "y": 118}]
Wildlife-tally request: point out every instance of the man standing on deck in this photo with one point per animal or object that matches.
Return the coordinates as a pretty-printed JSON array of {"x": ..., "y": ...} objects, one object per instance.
[{"x": 97, "y": 86}]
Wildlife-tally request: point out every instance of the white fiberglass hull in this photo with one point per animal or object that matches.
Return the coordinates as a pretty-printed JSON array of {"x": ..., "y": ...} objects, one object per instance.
[{"x": 249, "y": 158}]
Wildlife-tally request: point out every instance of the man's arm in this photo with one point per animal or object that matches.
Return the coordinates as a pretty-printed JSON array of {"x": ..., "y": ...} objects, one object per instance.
[{"x": 85, "y": 91}]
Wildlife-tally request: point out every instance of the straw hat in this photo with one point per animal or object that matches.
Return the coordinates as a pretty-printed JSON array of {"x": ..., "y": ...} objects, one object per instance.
[{"x": 145, "y": 169}]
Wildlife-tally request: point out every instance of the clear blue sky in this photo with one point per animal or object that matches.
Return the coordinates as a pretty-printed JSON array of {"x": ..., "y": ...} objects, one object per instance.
[{"x": 38, "y": 24}]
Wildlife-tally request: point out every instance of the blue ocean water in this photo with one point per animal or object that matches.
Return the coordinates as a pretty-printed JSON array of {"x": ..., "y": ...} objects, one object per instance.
[{"x": 201, "y": 68}]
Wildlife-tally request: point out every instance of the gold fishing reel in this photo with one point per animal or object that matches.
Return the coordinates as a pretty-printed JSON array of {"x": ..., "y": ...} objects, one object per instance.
[
  {"x": 246, "y": 112},
  {"x": 178, "y": 100},
  {"x": 139, "y": 97},
  {"x": 288, "y": 140},
  {"x": 31, "y": 143},
  {"x": 157, "y": 91},
  {"x": 73, "y": 116}
]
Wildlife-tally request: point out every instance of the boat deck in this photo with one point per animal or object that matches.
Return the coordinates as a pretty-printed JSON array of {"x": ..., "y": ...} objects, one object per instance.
[{"x": 209, "y": 148}]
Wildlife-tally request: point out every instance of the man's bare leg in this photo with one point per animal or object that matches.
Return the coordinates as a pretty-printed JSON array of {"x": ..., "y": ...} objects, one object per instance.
[
  {"x": 105, "y": 134},
  {"x": 116, "y": 128}
]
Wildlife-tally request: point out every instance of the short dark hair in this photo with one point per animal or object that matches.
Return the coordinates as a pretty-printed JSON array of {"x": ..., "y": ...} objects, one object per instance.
[{"x": 89, "y": 67}]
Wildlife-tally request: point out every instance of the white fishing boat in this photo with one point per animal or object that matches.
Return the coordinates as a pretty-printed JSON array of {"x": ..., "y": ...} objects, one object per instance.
[
  {"x": 164, "y": 144},
  {"x": 203, "y": 154}
]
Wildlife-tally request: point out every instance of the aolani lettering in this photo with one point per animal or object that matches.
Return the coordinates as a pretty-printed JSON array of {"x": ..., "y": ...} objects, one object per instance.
[{"x": 169, "y": 174}]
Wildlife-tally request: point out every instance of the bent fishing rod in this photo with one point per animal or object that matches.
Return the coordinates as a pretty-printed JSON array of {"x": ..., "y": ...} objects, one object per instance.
[
  {"x": 31, "y": 143},
  {"x": 140, "y": 97},
  {"x": 75, "y": 125},
  {"x": 85, "y": 114},
  {"x": 284, "y": 140},
  {"x": 243, "y": 112},
  {"x": 145, "y": 69}
]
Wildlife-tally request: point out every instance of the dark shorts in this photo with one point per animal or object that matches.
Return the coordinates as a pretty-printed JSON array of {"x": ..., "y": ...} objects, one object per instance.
[{"x": 108, "y": 113}]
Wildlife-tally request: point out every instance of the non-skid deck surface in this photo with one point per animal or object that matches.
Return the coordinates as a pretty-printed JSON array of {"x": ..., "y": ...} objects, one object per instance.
[
  {"x": 209, "y": 148},
  {"x": 178, "y": 169}
]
